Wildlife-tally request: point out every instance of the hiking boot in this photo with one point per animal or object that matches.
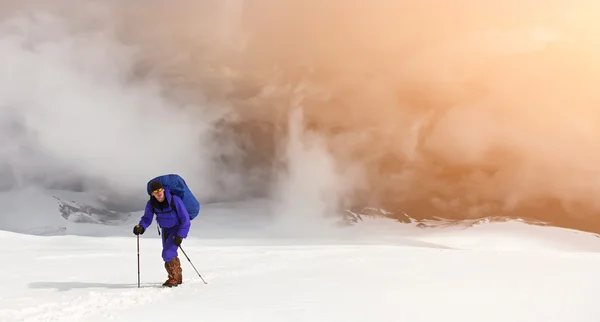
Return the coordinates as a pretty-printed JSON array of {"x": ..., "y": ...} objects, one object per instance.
[
  {"x": 174, "y": 271},
  {"x": 177, "y": 270},
  {"x": 170, "y": 283}
]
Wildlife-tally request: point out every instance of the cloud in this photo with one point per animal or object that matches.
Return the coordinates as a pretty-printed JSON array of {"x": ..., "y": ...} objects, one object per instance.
[
  {"x": 83, "y": 106},
  {"x": 464, "y": 108}
]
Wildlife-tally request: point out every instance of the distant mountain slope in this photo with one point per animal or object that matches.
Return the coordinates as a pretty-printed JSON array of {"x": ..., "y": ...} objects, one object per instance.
[{"x": 356, "y": 215}]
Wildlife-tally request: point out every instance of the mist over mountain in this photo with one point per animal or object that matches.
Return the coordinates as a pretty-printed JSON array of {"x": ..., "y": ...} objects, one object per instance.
[{"x": 458, "y": 110}]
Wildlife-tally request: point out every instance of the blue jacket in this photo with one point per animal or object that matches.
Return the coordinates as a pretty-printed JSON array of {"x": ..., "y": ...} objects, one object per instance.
[{"x": 167, "y": 217}]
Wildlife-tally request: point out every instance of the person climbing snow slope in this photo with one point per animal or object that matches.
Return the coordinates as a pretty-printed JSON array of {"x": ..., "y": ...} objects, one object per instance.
[{"x": 174, "y": 220}]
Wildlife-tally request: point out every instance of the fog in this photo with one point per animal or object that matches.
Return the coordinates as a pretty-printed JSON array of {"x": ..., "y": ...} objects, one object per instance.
[{"x": 459, "y": 109}]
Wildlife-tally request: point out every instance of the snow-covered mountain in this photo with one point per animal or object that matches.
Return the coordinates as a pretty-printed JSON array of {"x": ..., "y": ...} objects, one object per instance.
[
  {"x": 258, "y": 268},
  {"x": 357, "y": 215}
]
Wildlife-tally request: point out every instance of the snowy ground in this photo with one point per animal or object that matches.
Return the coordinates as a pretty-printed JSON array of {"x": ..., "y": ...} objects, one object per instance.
[{"x": 378, "y": 270}]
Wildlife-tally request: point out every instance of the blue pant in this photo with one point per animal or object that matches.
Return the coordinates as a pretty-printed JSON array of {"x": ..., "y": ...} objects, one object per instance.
[{"x": 169, "y": 250}]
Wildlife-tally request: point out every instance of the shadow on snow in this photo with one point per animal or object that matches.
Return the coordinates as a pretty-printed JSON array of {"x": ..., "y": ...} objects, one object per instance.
[{"x": 67, "y": 286}]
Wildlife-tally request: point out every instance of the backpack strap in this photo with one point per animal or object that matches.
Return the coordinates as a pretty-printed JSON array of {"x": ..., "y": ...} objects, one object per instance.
[{"x": 172, "y": 204}]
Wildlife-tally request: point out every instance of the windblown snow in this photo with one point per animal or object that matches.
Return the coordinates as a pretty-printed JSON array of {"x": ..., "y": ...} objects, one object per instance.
[{"x": 67, "y": 267}]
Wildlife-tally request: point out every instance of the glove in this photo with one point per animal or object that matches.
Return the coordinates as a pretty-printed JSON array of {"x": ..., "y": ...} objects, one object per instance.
[
  {"x": 138, "y": 230},
  {"x": 177, "y": 241}
]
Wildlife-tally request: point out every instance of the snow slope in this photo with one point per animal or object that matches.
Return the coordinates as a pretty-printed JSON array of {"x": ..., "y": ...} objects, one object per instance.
[{"x": 377, "y": 270}]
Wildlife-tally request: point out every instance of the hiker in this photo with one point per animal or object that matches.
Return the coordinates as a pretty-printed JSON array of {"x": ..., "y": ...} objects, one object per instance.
[{"x": 174, "y": 220}]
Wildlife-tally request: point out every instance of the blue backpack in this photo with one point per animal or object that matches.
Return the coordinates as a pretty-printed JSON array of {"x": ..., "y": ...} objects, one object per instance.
[{"x": 178, "y": 187}]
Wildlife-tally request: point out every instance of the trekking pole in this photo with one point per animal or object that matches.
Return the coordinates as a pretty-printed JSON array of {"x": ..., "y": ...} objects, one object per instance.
[
  {"x": 186, "y": 256},
  {"x": 138, "y": 258}
]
